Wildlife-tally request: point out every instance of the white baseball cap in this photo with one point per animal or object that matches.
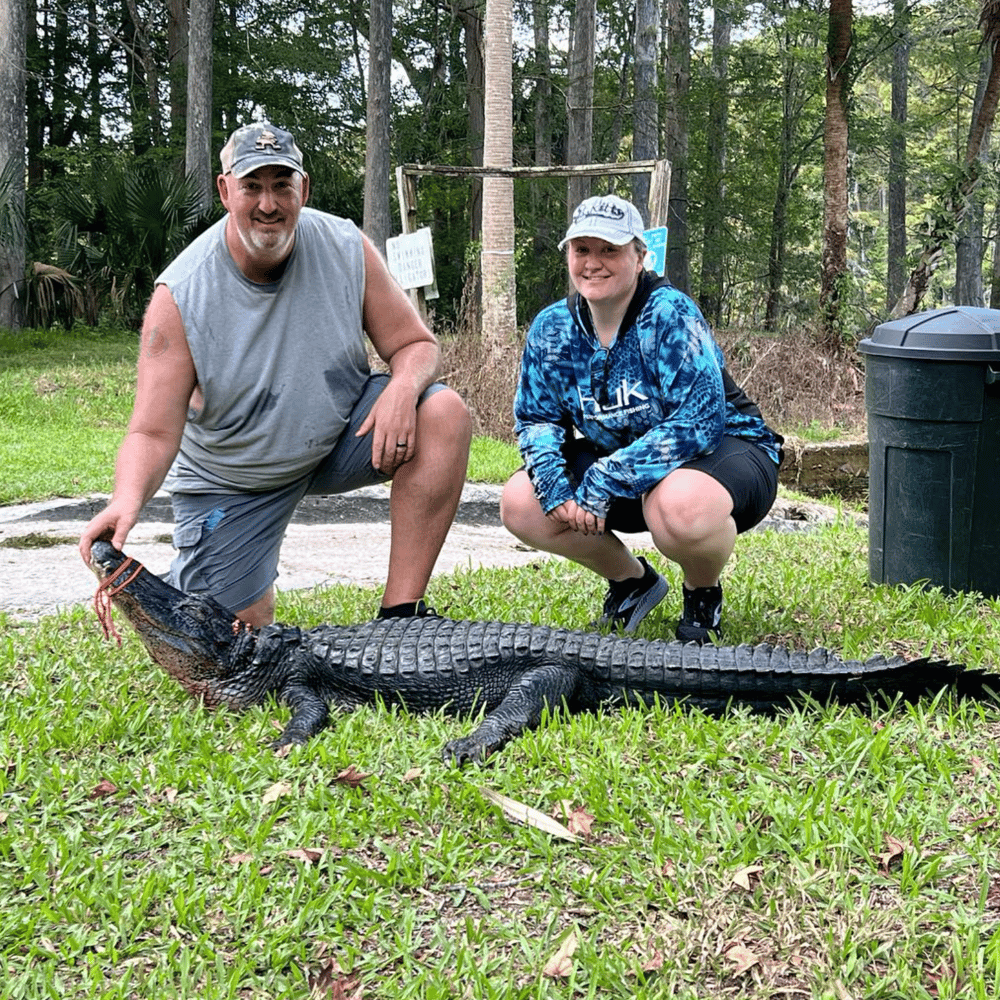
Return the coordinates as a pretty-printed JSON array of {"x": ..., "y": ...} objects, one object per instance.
[{"x": 607, "y": 217}]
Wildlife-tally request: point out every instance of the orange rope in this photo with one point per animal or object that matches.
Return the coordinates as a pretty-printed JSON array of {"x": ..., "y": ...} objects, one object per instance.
[{"x": 105, "y": 591}]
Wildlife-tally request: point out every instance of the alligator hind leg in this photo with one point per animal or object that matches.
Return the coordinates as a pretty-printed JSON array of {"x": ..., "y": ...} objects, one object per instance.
[
  {"x": 310, "y": 714},
  {"x": 522, "y": 709}
]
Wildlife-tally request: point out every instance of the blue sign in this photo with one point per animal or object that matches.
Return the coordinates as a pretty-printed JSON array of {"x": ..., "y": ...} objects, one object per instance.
[{"x": 656, "y": 250}]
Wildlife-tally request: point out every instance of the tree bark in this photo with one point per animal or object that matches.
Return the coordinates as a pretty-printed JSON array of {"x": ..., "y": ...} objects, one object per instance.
[
  {"x": 178, "y": 47},
  {"x": 713, "y": 247},
  {"x": 542, "y": 98},
  {"x": 952, "y": 203},
  {"x": 499, "y": 302},
  {"x": 13, "y": 33},
  {"x": 676, "y": 85},
  {"x": 896, "y": 253},
  {"x": 645, "y": 111},
  {"x": 376, "y": 221},
  {"x": 198, "y": 114},
  {"x": 835, "y": 131},
  {"x": 580, "y": 99}
]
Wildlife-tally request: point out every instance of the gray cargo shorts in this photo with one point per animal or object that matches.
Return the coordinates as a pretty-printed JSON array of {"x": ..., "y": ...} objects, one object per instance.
[{"x": 228, "y": 543}]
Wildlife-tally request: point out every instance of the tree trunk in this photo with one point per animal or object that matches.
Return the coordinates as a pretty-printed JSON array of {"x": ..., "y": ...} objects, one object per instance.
[
  {"x": 713, "y": 247},
  {"x": 676, "y": 84},
  {"x": 969, "y": 245},
  {"x": 834, "y": 265},
  {"x": 499, "y": 302},
  {"x": 896, "y": 264},
  {"x": 580, "y": 99},
  {"x": 13, "y": 32},
  {"x": 376, "y": 222},
  {"x": 645, "y": 111},
  {"x": 178, "y": 47},
  {"x": 198, "y": 116},
  {"x": 470, "y": 15},
  {"x": 953, "y": 200},
  {"x": 543, "y": 84}
]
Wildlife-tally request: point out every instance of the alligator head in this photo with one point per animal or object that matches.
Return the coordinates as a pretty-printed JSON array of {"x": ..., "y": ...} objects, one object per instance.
[{"x": 192, "y": 637}]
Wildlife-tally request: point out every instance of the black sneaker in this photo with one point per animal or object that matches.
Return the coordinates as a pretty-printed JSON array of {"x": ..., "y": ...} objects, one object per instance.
[
  {"x": 702, "y": 614},
  {"x": 629, "y": 601},
  {"x": 414, "y": 609}
]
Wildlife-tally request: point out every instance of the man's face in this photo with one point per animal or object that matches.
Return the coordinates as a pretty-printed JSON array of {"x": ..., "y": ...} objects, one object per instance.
[{"x": 265, "y": 207}]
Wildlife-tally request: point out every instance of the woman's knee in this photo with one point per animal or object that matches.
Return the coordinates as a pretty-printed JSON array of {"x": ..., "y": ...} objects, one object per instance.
[
  {"x": 519, "y": 507},
  {"x": 688, "y": 506}
]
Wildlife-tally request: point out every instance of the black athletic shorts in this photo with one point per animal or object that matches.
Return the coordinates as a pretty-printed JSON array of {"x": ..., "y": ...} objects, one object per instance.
[{"x": 745, "y": 470}]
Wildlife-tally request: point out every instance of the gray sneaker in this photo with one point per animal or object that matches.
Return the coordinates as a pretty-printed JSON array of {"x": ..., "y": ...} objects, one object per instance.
[
  {"x": 702, "y": 614},
  {"x": 629, "y": 601}
]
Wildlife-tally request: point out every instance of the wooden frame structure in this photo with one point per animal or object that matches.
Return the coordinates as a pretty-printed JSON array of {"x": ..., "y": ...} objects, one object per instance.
[{"x": 406, "y": 188}]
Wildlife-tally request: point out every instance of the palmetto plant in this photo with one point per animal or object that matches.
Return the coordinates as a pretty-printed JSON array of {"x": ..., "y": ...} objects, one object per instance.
[{"x": 120, "y": 230}]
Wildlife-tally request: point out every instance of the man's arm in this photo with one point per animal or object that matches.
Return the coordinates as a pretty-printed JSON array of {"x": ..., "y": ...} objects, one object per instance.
[
  {"x": 411, "y": 351},
  {"x": 165, "y": 379}
]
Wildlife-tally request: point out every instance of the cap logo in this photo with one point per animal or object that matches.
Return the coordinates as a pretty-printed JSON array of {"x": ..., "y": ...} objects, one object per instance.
[
  {"x": 602, "y": 209},
  {"x": 267, "y": 138}
]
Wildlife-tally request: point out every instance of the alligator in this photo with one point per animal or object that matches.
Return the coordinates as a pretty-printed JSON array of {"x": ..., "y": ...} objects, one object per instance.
[{"x": 511, "y": 672}]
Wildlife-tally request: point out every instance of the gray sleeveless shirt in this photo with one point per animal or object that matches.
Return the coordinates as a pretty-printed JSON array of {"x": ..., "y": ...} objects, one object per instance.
[{"x": 280, "y": 366}]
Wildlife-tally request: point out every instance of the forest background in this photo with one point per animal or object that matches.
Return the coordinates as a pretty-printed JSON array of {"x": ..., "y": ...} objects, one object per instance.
[{"x": 111, "y": 118}]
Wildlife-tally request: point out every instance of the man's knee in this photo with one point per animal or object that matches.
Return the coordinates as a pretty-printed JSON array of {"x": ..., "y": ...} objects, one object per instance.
[{"x": 444, "y": 418}]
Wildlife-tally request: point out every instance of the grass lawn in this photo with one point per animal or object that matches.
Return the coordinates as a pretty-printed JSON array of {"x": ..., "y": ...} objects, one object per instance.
[{"x": 152, "y": 849}]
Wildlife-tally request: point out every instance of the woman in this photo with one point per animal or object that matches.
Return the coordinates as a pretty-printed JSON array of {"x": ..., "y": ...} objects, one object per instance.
[{"x": 628, "y": 421}]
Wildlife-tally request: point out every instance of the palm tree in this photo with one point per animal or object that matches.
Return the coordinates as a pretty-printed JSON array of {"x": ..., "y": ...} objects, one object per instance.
[
  {"x": 499, "y": 300},
  {"x": 953, "y": 200}
]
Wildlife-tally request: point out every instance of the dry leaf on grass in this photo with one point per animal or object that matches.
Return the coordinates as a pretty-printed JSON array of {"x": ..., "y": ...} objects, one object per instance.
[
  {"x": 413, "y": 774},
  {"x": 560, "y": 965},
  {"x": 103, "y": 789},
  {"x": 351, "y": 776},
  {"x": 330, "y": 983},
  {"x": 308, "y": 854},
  {"x": 742, "y": 957},
  {"x": 239, "y": 859},
  {"x": 895, "y": 849},
  {"x": 578, "y": 820},
  {"x": 747, "y": 878},
  {"x": 521, "y": 813},
  {"x": 275, "y": 792}
]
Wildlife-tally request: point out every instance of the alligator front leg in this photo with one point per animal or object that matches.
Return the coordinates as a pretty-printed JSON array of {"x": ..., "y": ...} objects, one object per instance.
[
  {"x": 310, "y": 714},
  {"x": 521, "y": 709}
]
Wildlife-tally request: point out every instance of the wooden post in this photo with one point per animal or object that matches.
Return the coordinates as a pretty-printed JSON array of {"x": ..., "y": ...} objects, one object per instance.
[
  {"x": 659, "y": 194},
  {"x": 406, "y": 189}
]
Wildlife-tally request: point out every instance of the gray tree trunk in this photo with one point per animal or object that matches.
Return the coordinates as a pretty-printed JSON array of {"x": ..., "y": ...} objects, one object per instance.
[
  {"x": 835, "y": 133},
  {"x": 580, "y": 99},
  {"x": 13, "y": 131},
  {"x": 198, "y": 119},
  {"x": 968, "y": 289},
  {"x": 713, "y": 248},
  {"x": 676, "y": 85},
  {"x": 543, "y": 84},
  {"x": 896, "y": 265},
  {"x": 177, "y": 59},
  {"x": 645, "y": 110},
  {"x": 377, "y": 222}
]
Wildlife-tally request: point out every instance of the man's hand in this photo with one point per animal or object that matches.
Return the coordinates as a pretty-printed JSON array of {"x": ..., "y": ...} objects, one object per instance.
[
  {"x": 576, "y": 518},
  {"x": 392, "y": 422}
]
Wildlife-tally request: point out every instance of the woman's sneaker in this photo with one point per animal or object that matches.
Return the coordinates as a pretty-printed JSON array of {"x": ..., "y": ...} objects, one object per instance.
[
  {"x": 702, "y": 614},
  {"x": 629, "y": 601}
]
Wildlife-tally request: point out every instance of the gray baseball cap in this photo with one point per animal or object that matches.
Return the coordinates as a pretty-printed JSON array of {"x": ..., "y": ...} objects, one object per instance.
[
  {"x": 607, "y": 217},
  {"x": 259, "y": 145}
]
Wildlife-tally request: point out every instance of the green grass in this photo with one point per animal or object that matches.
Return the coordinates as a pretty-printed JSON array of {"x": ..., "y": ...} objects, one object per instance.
[
  {"x": 65, "y": 401},
  {"x": 150, "y": 848}
]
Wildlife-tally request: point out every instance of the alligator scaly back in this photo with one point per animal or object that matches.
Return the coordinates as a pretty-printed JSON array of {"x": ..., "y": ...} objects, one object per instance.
[{"x": 512, "y": 671}]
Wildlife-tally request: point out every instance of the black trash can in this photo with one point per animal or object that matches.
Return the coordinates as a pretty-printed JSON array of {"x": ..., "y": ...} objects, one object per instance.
[{"x": 932, "y": 393}]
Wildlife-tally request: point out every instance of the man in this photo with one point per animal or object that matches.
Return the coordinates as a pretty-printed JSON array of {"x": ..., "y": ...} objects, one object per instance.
[{"x": 253, "y": 389}]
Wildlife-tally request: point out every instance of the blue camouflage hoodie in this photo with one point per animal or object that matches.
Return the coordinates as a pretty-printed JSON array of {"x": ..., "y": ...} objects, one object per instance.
[{"x": 656, "y": 398}]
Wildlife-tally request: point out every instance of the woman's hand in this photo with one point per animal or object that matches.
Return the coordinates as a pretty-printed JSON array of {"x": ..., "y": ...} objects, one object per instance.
[{"x": 576, "y": 518}]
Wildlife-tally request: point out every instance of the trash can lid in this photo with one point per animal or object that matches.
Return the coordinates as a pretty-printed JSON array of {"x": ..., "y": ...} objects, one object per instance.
[{"x": 954, "y": 333}]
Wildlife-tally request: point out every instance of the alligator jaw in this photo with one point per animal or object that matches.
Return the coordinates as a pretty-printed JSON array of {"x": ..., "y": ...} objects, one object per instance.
[{"x": 191, "y": 637}]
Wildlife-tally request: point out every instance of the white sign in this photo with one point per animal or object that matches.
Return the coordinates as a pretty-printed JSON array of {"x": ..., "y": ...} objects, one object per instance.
[{"x": 411, "y": 258}]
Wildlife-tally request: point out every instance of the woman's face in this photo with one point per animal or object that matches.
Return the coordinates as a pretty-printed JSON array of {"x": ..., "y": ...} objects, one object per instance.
[{"x": 603, "y": 272}]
